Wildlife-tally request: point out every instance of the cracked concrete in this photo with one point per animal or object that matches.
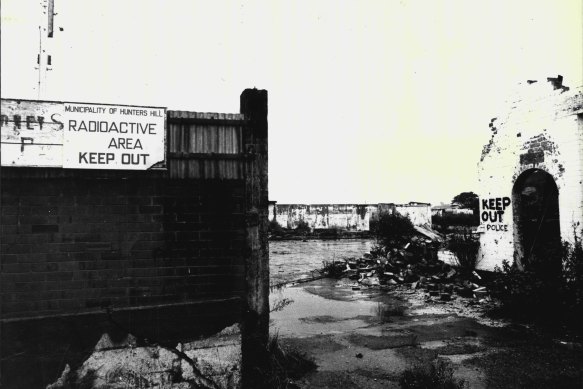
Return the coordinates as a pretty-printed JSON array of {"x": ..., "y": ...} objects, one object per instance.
[{"x": 367, "y": 338}]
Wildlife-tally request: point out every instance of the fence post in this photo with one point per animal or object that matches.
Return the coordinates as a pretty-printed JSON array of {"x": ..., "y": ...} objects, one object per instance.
[{"x": 255, "y": 326}]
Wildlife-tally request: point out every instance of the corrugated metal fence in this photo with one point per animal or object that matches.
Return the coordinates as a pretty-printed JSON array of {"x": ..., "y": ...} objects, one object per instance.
[{"x": 205, "y": 145}]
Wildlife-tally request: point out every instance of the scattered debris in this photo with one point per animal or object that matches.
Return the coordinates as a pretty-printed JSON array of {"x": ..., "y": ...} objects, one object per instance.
[
  {"x": 445, "y": 296},
  {"x": 415, "y": 265}
]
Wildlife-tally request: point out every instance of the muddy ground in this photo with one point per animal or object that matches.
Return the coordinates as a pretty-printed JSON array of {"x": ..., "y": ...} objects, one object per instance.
[{"x": 366, "y": 337}]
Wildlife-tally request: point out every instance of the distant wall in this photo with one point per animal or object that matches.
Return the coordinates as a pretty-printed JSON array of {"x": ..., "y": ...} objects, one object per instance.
[
  {"x": 351, "y": 217},
  {"x": 348, "y": 217},
  {"x": 451, "y": 211},
  {"x": 418, "y": 213}
]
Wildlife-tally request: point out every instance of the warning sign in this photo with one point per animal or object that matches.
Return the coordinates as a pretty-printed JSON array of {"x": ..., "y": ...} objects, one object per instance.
[
  {"x": 113, "y": 137},
  {"x": 82, "y": 136}
]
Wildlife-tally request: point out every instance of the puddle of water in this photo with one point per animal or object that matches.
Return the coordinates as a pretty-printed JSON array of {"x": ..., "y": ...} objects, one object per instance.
[
  {"x": 455, "y": 347},
  {"x": 458, "y": 359},
  {"x": 328, "y": 306},
  {"x": 429, "y": 310},
  {"x": 433, "y": 344},
  {"x": 301, "y": 317}
]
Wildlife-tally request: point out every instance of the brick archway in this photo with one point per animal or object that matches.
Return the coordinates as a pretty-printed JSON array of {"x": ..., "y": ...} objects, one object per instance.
[{"x": 537, "y": 235}]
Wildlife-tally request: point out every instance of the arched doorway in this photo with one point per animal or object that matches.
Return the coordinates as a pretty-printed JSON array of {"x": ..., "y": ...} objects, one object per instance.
[{"x": 537, "y": 234}]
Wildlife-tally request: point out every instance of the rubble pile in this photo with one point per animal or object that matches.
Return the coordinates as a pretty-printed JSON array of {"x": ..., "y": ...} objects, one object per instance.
[{"x": 406, "y": 267}]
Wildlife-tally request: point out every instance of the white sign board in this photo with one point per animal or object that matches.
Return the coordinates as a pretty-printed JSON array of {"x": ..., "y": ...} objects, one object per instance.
[
  {"x": 31, "y": 133},
  {"x": 82, "y": 136},
  {"x": 112, "y": 137}
]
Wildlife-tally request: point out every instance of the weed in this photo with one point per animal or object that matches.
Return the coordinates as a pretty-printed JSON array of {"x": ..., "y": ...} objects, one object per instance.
[
  {"x": 541, "y": 295},
  {"x": 275, "y": 228},
  {"x": 451, "y": 220},
  {"x": 281, "y": 304},
  {"x": 439, "y": 375},
  {"x": 572, "y": 280},
  {"x": 524, "y": 293},
  {"x": 303, "y": 228},
  {"x": 333, "y": 269},
  {"x": 465, "y": 247},
  {"x": 393, "y": 230},
  {"x": 329, "y": 233},
  {"x": 284, "y": 365}
]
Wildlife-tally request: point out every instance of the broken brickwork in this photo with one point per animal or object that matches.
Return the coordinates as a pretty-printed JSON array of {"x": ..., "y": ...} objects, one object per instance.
[{"x": 531, "y": 173}]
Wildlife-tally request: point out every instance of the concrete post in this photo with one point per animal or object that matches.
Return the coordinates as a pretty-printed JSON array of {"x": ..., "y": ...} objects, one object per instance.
[{"x": 255, "y": 331}]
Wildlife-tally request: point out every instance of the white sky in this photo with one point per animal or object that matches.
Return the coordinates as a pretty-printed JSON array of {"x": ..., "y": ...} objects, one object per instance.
[{"x": 369, "y": 101}]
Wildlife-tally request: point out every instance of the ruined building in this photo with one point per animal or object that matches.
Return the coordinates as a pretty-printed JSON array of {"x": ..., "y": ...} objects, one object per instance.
[{"x": 531, "y": 175}]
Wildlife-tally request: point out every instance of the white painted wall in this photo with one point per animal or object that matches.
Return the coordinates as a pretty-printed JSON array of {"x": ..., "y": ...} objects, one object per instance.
[
  {"x": 535, "y": 110},
  {"x": 320, "y": 216},
  {"x": 352, "y": 217},
  {"x": 418, "y": 214}
]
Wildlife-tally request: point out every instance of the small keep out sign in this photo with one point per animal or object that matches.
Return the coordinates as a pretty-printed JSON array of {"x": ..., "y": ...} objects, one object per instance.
[{"x": 492, "y": 214}]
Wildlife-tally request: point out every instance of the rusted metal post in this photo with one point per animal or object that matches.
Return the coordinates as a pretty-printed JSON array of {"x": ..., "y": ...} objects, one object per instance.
[{"x": 255, "y": 331}]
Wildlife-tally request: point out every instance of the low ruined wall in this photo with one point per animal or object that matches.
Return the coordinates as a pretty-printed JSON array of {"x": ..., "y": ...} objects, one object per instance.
[
  {"x": 542, "y": 129},
  {"x": 418, "y": 213},
  {"x": 452, "y": 211},
  {"x": 350, "y": 217},
  {"x": 347, "y": 217}
]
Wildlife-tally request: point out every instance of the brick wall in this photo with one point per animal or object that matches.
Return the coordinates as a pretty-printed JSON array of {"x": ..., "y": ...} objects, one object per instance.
[
  {"x": 167, "y": 256},
  {"x": 78, "y": 243},
  {"x": 542, "y": 128}
]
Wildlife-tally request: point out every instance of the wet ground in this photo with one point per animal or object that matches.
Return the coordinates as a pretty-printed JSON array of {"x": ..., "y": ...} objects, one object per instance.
[{"x": 365, "y": 338}]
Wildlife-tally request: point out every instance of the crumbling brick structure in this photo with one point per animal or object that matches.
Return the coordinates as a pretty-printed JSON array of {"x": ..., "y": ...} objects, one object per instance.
[{"x": 531, "y": 174}]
